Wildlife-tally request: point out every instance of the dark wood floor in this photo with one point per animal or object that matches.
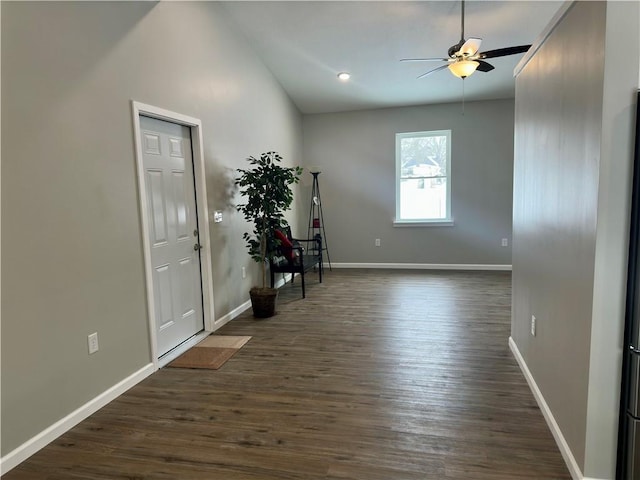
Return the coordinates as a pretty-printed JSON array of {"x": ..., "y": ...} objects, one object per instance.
[{"x": 377, "y": 375}]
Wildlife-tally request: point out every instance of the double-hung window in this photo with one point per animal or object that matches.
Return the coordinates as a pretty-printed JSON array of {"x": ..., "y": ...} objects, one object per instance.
[{"x": 423, "y": 177}]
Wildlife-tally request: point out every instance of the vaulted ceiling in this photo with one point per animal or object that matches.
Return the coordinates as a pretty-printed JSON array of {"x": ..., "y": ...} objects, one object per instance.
[{"x": 306, "y": 44}]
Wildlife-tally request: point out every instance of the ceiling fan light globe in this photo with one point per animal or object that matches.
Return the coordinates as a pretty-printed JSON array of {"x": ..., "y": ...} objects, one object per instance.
[{"x": 463, "y": 68}]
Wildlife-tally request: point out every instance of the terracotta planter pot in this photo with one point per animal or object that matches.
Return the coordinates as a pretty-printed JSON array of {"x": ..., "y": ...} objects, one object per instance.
[{"x": 263, "y": 301}]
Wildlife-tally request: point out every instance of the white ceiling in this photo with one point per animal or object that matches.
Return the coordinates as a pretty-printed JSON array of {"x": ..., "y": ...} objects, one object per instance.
[{"x": 306, "y": 43}]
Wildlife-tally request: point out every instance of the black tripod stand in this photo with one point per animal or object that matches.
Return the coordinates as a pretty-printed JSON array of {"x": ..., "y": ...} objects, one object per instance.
[{"x": 316, "y": 219}]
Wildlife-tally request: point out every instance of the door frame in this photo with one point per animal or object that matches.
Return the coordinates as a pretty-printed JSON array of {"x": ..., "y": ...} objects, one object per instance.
[{"x": 206, "y": 273}]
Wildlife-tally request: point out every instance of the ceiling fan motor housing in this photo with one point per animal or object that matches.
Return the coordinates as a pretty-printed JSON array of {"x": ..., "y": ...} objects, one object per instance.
[{"x": 453, "y": 49}]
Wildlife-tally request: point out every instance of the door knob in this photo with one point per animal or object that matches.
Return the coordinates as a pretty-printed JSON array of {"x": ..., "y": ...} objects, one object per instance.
[{"x": 197, "y": 247}]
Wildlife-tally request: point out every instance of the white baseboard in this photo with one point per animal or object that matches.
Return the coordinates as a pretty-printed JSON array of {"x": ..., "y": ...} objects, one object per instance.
[
  {"x": 31, "y": 446},
  {"x": 236, "y": 312},
  {"x": 422, "y": 266},
  {"x": 285, "y": 278},
  {"x": 245, "y": 306},
  {"x": 572, "y": 465}
]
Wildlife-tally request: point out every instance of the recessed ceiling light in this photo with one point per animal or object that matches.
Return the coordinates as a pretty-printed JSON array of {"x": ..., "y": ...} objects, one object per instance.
[{"x": 344, "y": 76}]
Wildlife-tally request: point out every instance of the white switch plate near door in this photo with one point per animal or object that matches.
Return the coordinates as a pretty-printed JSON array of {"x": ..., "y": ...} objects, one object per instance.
[
  {"x": 533, "y": 325},
  {"x": 92, "y": 340}
]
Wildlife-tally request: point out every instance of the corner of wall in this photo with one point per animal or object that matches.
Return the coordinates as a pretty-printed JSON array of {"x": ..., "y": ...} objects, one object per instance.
[{"x": 614, "y": 194}]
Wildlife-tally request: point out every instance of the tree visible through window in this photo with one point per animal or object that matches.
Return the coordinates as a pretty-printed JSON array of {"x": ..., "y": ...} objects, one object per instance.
[{"x": 423, "y": 178}]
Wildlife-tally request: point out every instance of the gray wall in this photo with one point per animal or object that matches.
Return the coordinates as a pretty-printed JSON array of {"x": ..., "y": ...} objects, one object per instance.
[
  {"x": 356, "y": 154},
  {"x": 573, "y": 144},
  {"x": 72, "y": 241},
  {"x": 558, "y": 123}
]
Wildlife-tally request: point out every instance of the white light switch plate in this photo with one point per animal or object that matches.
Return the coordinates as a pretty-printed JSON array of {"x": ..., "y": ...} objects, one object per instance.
[{"x": 92, "y": 341}]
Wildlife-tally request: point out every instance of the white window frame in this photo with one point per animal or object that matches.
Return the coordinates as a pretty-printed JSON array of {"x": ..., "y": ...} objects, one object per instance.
[{"x": 426, "y": 222}]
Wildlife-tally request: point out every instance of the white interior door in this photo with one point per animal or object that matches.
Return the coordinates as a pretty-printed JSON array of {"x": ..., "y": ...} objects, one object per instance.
[{"x": 173, "y": 231}]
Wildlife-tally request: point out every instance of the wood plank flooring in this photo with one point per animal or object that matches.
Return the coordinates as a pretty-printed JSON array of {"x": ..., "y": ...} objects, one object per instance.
[{"x": 376, "y": 375}]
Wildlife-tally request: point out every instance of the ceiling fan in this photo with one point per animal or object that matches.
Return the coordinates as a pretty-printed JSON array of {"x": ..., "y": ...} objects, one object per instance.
[{"x": 465, "y": 58}]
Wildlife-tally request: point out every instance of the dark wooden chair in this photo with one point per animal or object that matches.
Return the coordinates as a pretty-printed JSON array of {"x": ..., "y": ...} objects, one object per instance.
[{"x": 296, "y": 255}]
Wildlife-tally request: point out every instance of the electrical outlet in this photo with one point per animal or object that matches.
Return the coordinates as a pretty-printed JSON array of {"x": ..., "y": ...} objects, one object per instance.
[
  {"x": 533, "y": 325},
  {"x": 92, "y": 340},
  {"x": 244, "y": 272},
  {"x": 505, "y": 242},
  {"x": 377, "y": 242}
]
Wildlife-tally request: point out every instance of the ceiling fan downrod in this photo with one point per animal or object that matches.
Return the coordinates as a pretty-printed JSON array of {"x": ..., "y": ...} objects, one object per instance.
[
  {"x": 456, "y": 48},
  {"x": 462, "y": 24}
]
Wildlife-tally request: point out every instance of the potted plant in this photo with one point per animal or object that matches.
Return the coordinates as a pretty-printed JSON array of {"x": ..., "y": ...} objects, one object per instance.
[{"x": 267, "y": 191}]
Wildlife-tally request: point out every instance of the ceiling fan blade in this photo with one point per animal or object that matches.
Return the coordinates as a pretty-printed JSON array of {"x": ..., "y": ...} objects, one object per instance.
[
  {"x": 503, "y": 52},
  {"x": 433, "y": 71},
  {"x": 424, "y": 59},
  {"x": 470, "y": 47},
  {"x": 484, "y": 66}
]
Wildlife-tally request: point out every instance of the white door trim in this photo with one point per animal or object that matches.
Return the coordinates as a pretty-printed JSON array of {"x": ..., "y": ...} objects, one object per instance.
[{"x": 195, "y": 125}]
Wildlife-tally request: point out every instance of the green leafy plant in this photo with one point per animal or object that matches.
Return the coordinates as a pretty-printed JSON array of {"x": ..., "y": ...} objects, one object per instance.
[{"x": 267, "y": 191}]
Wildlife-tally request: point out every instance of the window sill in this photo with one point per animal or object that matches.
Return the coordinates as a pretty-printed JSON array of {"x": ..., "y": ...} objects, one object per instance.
[{"x": 423, "y": 223}]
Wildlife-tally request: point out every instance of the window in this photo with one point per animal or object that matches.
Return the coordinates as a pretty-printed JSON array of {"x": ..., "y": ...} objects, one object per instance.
[{"x": 423, "y": 177}]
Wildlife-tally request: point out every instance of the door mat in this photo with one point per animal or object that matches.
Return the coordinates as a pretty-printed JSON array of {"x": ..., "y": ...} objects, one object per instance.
[{"x": 210, "y": 353}]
